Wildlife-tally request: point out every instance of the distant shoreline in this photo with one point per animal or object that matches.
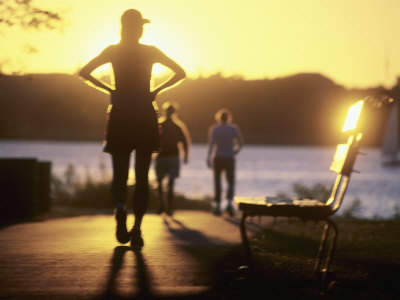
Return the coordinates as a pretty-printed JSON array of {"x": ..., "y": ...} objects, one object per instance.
[{"x": 196, "y": 142}]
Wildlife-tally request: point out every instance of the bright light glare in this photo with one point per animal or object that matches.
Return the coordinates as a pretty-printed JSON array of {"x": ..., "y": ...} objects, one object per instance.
[{"x": 352, "y": 116}]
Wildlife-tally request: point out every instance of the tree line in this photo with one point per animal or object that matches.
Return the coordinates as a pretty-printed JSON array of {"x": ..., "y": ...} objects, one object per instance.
[{"x": 303, "y": 109}]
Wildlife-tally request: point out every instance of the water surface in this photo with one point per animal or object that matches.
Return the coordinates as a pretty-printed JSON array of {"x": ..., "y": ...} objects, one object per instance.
[{"x": 261, "y": 171}]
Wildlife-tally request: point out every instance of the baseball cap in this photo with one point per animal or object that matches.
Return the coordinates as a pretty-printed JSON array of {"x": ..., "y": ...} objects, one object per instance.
[{"x": 133, "y": 17}]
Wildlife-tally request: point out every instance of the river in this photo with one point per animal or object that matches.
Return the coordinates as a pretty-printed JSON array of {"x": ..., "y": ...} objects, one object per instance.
[{"x": 261, "y": 171}]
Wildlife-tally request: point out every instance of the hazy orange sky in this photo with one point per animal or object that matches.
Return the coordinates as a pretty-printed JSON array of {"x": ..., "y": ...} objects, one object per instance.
[{"x": 354, "y": 42}]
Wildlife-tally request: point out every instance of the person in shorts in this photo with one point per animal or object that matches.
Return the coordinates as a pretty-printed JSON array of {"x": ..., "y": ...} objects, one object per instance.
[{"x": 173, "y": 133}]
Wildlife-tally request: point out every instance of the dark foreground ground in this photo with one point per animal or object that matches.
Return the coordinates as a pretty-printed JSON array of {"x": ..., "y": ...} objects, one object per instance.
[
  {"x": 78, "y": 258},
  {"x": 193, "y": 255}
]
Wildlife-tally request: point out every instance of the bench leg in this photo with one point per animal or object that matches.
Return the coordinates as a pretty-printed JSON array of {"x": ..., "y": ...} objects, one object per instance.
[
  {"x": 321, "y": 268},
  {"x": 245, "y": 241}
]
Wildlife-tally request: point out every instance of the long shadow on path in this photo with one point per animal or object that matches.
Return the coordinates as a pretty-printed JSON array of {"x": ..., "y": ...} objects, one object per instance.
[
  {"x": 143, "y": 286},
  {"x": 201, "y": 249},
  {"x": 213, "y": 257},
  {"x": 141, "y": 278}
]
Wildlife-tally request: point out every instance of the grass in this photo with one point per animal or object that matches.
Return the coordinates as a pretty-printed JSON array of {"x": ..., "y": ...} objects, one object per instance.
[{"x": 366, "y": 263}]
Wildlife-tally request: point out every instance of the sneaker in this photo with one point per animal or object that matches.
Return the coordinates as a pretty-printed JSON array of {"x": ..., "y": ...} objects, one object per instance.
[
  {"x": 121, "y": 232},
  {"x": 160, "y": 210},
  {"x": 169, "y": 211},
  {"x": 216, "y": 208},
  {"x": 217, "y": 211},
  {"x": 230, "y": 210},
  {"x": 136, "y": 239}
]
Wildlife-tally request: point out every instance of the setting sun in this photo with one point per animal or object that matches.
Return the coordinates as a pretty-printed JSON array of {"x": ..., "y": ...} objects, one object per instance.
[{"x": 351, "y": 42}]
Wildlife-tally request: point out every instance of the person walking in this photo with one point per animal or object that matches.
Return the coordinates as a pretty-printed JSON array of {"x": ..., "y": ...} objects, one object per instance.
[
  {"x": 225, "y": 141},
  {"x": 173, "y": 134},
  {"x": 132, "y": 117}
]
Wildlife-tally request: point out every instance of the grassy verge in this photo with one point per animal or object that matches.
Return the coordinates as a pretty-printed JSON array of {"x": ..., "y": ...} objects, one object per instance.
[
  {"x": 69, "y": 193},
  {"x": 366, "y": 263}
]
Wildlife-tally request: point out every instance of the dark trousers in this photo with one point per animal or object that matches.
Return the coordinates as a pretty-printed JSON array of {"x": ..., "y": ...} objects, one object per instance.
[
  {"x": 120, "y": 164},
  {"x": 227, "y": 165}
]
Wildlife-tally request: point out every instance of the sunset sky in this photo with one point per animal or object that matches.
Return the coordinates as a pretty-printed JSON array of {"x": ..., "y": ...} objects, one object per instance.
[{"x": 354, "y": 42}]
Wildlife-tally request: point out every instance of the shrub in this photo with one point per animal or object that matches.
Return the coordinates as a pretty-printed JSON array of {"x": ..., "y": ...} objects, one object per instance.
[
  {"x": 70, "y": 191},
  {"x": 353, "y": 210},
  {"x": 317, "y": 191}
]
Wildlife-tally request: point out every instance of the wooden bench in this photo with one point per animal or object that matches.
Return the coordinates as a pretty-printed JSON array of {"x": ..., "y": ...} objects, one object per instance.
[{"x": 312, "y": 209}]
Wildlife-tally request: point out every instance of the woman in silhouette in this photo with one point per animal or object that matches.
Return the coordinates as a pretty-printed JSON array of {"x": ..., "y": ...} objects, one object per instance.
[{"x": 132, "y": 118}]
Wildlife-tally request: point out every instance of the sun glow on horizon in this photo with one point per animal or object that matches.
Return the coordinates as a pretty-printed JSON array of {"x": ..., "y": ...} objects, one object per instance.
[{"x": 353, "y": 43}]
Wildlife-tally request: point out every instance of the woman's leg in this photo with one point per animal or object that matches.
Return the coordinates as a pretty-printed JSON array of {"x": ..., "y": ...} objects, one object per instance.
[
  {"x": 160, "y": 176},
  {"x": 120, "y": 165},
  {"x": 142, "y": 193}
]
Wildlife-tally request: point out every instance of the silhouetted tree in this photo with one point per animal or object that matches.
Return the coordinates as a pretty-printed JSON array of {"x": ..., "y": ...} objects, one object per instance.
[
  {"x": 25, "y": 14},
  {"x": 300, "y": 109}
]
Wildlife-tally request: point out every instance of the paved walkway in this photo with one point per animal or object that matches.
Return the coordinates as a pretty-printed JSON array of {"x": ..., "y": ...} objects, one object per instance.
[{"x": 79, "y": 258}]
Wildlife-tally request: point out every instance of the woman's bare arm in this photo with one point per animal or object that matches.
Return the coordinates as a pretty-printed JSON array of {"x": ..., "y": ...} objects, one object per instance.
[
  {"x": 177, "y": 69},
  {"x": 86, "y": 71}
]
